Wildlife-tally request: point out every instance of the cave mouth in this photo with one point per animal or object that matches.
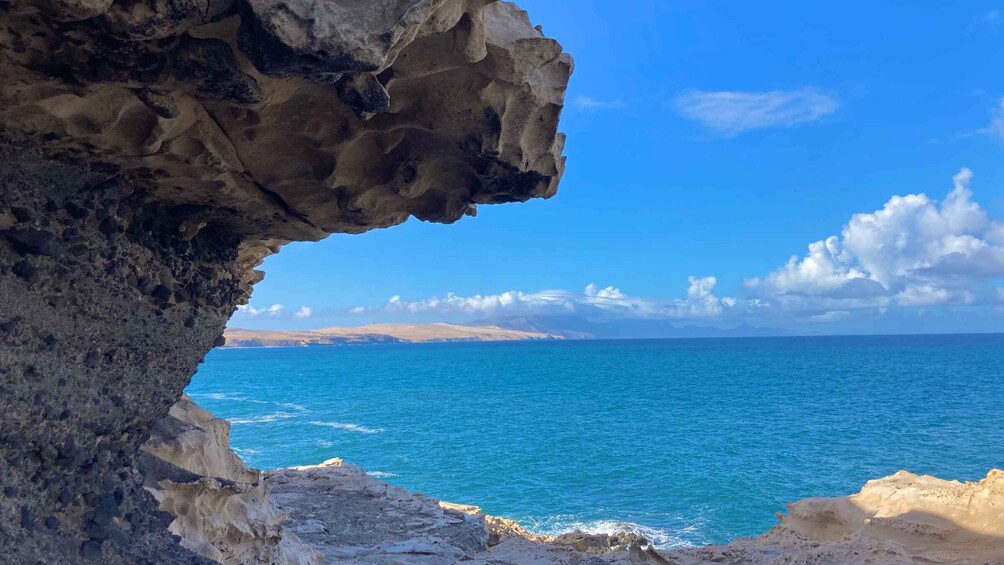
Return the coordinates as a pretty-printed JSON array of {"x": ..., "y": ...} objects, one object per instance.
[{"x": 151, "y": 159}]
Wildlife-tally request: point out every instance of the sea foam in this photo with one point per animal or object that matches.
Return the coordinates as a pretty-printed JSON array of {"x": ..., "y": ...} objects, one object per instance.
[
  {"x": 264, "y": 419},
  {"x": 562, "y": 524},
  {"x": 349, "y": 427},
  {"x": 227, "y": 396}
]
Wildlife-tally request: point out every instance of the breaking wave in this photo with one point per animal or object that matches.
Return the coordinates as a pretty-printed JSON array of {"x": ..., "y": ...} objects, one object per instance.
[{"x": 663, "y": 539}]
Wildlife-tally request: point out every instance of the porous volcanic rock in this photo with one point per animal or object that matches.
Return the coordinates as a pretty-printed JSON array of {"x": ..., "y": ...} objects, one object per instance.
[{"x": 153, "y": 152}]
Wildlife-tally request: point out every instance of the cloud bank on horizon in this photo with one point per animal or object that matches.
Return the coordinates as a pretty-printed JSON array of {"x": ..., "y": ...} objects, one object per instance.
[{"x": 913, "y": 252}]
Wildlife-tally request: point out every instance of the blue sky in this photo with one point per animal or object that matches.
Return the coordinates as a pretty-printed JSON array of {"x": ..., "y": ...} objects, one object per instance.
[{"x": 719, "y": 139}]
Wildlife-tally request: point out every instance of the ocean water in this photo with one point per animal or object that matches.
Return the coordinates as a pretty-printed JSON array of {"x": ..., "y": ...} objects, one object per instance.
[{"x": 688, "y": 441}]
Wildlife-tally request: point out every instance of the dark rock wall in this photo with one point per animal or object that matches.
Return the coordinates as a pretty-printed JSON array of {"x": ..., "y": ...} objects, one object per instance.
[{"x": 105, "y": 312}]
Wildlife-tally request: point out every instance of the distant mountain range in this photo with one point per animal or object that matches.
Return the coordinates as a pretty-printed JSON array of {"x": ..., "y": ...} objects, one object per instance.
[
  {"x": 511, "y": 328},
  {"x": 574, "y": 327}
]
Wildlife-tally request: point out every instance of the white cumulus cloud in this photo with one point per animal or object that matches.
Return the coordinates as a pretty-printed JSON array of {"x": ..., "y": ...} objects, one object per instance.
[
  {"x": 730, "y": 113},
  {"x": 248, "y": 311},
  {"x": 275, "y": 311},
  {"x": 915, "y": 251},
  {"x": 700, "y": 302}
]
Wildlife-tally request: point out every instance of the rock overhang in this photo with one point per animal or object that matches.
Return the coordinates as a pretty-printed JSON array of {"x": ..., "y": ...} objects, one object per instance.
[{"x": 283, "y": 120}]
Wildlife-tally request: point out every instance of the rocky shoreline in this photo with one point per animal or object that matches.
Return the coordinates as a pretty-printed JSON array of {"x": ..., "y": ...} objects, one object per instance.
[
  {"x": 336, "y": 513},
  {"x": 329, "y": 513},
  {"x": 152, "y": 154}
]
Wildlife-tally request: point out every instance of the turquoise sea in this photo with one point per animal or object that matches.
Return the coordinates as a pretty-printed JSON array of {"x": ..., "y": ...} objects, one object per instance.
[{"x": 691, "y": 441}]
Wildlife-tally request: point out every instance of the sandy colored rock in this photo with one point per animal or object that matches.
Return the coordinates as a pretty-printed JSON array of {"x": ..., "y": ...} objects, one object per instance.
[
  {"x": 195, "y": 440},
  {"x": 222, "y": 509},
  {"x": 901, "y": 519}
]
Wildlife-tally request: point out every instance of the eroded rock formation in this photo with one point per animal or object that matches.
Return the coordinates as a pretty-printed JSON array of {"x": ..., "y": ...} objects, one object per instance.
[
  {"x": 222, "y": 509},
  {"x": 152, "y": 152},
  {"x": 903, "y": 519}
]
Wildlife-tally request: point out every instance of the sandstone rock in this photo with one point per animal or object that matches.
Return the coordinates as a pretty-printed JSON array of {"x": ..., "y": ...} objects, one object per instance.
[
  {"x": 900, "y": 519},
  {"x": 222, "y": 508}
]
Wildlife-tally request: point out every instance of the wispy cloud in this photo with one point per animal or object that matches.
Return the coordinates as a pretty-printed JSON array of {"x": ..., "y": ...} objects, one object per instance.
[
  {"x": 730, "y": 113},
  {"x": 588, "y": 103},
  {"x": 986, "y": 21},
  {"x": 303, "y": 313},
  {"x": 994, "y": 128},
  {"x": 996, "y": 125}
]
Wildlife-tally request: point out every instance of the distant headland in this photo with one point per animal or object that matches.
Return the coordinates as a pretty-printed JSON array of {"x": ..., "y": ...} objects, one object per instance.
[{"x": 520, "y": 328}]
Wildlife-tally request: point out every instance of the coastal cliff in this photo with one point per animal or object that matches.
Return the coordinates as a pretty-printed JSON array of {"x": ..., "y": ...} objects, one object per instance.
[{"x": 153, "y": 153}]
